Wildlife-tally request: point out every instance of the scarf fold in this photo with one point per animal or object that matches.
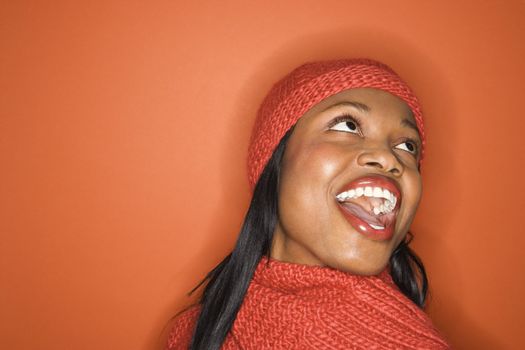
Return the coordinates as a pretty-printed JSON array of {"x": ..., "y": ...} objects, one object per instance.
[{"x": 292, "y": 306}]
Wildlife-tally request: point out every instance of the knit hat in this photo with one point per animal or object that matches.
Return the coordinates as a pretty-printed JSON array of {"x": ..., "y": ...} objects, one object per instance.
[{"x": 291, "y": 97}]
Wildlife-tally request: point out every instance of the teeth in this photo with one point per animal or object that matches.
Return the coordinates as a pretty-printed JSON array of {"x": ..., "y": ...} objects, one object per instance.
[
  {"x": 376, "y": 227},
  {"x": 368, "y": 191}
]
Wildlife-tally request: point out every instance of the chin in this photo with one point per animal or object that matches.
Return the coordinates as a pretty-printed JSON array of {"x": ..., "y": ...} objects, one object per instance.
[
  {"x": 360, "y": 266},
  {"x": 365, "y": 270}
]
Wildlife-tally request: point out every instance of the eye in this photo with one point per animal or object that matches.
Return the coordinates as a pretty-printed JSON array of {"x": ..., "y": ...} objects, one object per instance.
[
  {"x": 408, "y": 146},
  {"x": 345, "y": 124}
]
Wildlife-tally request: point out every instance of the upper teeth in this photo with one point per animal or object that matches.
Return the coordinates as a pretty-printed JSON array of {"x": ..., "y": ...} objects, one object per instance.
[{"x": 368, "y": 191}]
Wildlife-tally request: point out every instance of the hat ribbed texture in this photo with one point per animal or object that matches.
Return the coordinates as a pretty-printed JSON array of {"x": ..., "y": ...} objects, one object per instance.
[{"x": 306, "y": 86}]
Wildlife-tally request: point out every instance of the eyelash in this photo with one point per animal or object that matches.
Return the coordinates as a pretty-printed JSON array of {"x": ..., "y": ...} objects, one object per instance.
[
  {"x": 350, "y": 118},
  {"x": 345, "y": 117},
  {"x": 414, "y": 143}
]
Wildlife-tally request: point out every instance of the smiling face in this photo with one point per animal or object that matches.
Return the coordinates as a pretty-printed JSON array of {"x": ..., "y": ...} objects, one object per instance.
[{"x": 349, "y": 184}]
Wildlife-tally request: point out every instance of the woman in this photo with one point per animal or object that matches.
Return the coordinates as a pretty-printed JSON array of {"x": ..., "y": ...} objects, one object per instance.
[{"x": 322, "y": 260}]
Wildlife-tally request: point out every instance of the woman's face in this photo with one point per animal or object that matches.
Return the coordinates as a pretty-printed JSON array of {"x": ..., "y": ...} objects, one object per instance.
[{"x": 349, "y": 184}]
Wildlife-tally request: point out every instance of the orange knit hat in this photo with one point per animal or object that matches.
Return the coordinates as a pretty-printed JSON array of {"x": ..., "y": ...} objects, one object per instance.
[{"x": 306, "y": 86}]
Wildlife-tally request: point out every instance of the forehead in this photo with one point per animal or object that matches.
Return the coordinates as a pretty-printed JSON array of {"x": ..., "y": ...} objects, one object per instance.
[{"x": 365, "y": 99}]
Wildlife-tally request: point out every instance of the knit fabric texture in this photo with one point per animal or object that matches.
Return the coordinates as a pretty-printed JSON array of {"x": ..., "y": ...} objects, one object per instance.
[
  {"x": 291, "y": 306},
  {"x": 306, "y": 86}
]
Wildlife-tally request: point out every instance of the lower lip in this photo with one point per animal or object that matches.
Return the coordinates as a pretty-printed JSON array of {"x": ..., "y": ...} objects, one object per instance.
[{"x": 365, "y": 229}]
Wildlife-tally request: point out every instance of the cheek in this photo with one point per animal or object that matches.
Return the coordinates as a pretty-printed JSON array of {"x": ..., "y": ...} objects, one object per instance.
[
  {"x": 413, "y": 189},
  {"x": 313, "y": 163},
  {"x": 417, "y": 187},
  {"x": 305, "y": 183}
]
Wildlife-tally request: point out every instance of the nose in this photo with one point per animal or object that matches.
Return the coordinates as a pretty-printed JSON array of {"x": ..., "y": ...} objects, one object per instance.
[{"x": 381, "y": 159}]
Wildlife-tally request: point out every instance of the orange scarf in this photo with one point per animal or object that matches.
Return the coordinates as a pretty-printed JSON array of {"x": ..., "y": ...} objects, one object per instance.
[{"x": 291, "y": 306}]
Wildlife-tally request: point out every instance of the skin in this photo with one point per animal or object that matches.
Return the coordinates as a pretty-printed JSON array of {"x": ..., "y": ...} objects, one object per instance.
[{"x": 320, "y": 158}]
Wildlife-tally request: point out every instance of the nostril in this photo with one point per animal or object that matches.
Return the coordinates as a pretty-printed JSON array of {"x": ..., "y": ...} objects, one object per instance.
[
  {"x": 375, "y": 164},
  {"x": 395, "y": 171},
  {"x": 382, "y": 161}
]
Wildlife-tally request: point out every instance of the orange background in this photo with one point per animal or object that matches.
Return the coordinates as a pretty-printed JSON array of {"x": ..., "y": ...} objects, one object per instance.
[{"x": 123, "y": 134}]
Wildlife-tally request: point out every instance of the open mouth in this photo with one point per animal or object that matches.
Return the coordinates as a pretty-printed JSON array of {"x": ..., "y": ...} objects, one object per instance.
[{"x": 370, "y": 204}]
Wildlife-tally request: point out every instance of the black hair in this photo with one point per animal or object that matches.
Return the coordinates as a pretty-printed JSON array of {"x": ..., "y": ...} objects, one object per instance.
[
  {"x": 228, "y": 282},
  {"x": 408, "y": 272}
]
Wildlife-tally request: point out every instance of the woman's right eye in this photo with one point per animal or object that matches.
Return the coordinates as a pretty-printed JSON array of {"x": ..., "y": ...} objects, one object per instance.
[{"x": 347, "y": 125}]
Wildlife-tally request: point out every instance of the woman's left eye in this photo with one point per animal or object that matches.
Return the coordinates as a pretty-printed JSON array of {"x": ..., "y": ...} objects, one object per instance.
[
  {"x": 346, "y": 126},
  {"x": 407, "y": 146}
]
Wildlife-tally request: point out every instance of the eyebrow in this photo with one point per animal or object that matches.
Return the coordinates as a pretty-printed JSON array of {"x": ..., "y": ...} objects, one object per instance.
[
  {"x": 364, "y": 108},
  {"x": 409, "y": 123},
  {"x": 357, "y": 105}
]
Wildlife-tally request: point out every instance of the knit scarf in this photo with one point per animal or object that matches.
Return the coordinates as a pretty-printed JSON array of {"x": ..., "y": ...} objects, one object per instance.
[{"x": 291, "y": 306}]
